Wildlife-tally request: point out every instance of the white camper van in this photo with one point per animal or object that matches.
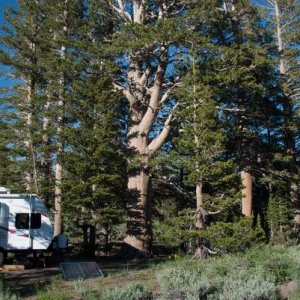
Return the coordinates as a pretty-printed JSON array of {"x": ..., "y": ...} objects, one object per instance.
[{"x": 24, "y": 222}]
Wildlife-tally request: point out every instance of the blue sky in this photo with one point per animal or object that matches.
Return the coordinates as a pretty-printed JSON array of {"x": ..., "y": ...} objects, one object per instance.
[{"x": 3, "y": 4}]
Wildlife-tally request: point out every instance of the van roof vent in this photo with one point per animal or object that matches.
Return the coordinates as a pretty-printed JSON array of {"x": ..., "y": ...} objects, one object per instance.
[{"x": 4, "y": 190}]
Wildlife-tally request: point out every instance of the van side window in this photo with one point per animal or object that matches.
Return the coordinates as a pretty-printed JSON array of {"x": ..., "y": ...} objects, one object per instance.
[
  {"x": 22, "y": 221},
  {"x": 35, "y": 221}
]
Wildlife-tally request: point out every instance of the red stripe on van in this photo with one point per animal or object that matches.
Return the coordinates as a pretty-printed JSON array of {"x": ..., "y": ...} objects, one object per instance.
[
  {"x": 8, "y": 229},
  {"x": 23, "y": 235}
]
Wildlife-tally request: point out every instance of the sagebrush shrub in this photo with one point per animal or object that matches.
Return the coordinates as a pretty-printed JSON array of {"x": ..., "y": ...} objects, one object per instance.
[
  {"x": 247, "y": 285},
  {"x": 129, "y": 292},
  {"x": 184, "y": 283}
]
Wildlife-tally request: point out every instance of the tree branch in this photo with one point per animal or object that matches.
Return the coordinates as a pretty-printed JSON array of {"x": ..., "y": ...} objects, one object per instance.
[
  {"x": 117, "y": 87},
  {"x": 231, "y": 109},
  {"x": 146, "y": 75},
  {"x": 150, "y": 114},
  {"x": 161, "y": 138},
  {"x": 166, "y": 95},
  {"x": 121, "y": 11},
  {"x": 130, "y": 97}
]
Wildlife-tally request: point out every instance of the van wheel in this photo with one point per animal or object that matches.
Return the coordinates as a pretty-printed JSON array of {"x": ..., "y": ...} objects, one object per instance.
[{"x": 3, "y": 257}]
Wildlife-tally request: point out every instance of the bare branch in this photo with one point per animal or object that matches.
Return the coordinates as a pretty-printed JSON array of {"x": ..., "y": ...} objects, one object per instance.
[
  {"x": 166, "y": 95},
  {"x": 161, "y": 138},
  {"x": 272, "y": 2},
  {"x": 150, "y": 114},
  {"x": 231, "y": 109},
  {"x": 214, "y": 212},
  {"x": 120, "y": 3},
  {"x": 177, "y": 187},
  {"x": 117, "y": 87},
  {"x": 130, "y": 97},
  {"x": 123, "y": 14},
  {"x": 202, "y": 252},
  {"x": 146, "y": 75}
]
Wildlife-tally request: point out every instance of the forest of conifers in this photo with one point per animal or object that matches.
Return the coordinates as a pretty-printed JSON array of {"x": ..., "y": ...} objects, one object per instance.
[{"x": 159, "y": 121}]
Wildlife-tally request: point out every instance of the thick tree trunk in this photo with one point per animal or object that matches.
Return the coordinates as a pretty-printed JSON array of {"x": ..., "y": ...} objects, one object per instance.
[
  {"x": 246, "y": 178},
  {"x": 246, "y": 194},
  {"x": 139, "y": 234},
  {"x": 200, "y": 215}
]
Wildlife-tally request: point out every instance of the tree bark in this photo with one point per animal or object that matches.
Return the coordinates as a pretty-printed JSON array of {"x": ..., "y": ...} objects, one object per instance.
[
  {"x": 139, "y": 233},
  {"x": 138, "y": 240},
  {"x": 58, "y": 167},
  {"x": 31, "y": 175},
  {"x": 246, "y": 194},
  {"x": 279, "y": 38},
  {"x": 57, "y": 200},
  {"x": 46, "y": 161},
  {"x": 60, "y": 147},
  {"x": 58, "y": 176},
  {"x": 200, "y": 214}
]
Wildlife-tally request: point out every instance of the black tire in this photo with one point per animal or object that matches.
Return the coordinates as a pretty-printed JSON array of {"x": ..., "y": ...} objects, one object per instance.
[{"x": 3, "y": 256}]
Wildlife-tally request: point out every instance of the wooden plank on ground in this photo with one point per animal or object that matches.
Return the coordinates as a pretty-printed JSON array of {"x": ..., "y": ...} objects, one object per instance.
[{"x": 14, "y": 267}]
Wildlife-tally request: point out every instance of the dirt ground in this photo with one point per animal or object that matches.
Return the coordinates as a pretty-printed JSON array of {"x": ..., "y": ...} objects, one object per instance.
[
  {"x": 24, "y": 283},
  {"x": 117, "y": 273}
]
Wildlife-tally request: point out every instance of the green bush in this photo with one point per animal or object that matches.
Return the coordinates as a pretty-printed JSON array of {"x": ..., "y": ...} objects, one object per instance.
[
  {"x": 279, "y": 261},
  {"x": 224, "y": 237},
  {"x": 233, "y": 237},
  {"x": 129, "y": 292}
]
